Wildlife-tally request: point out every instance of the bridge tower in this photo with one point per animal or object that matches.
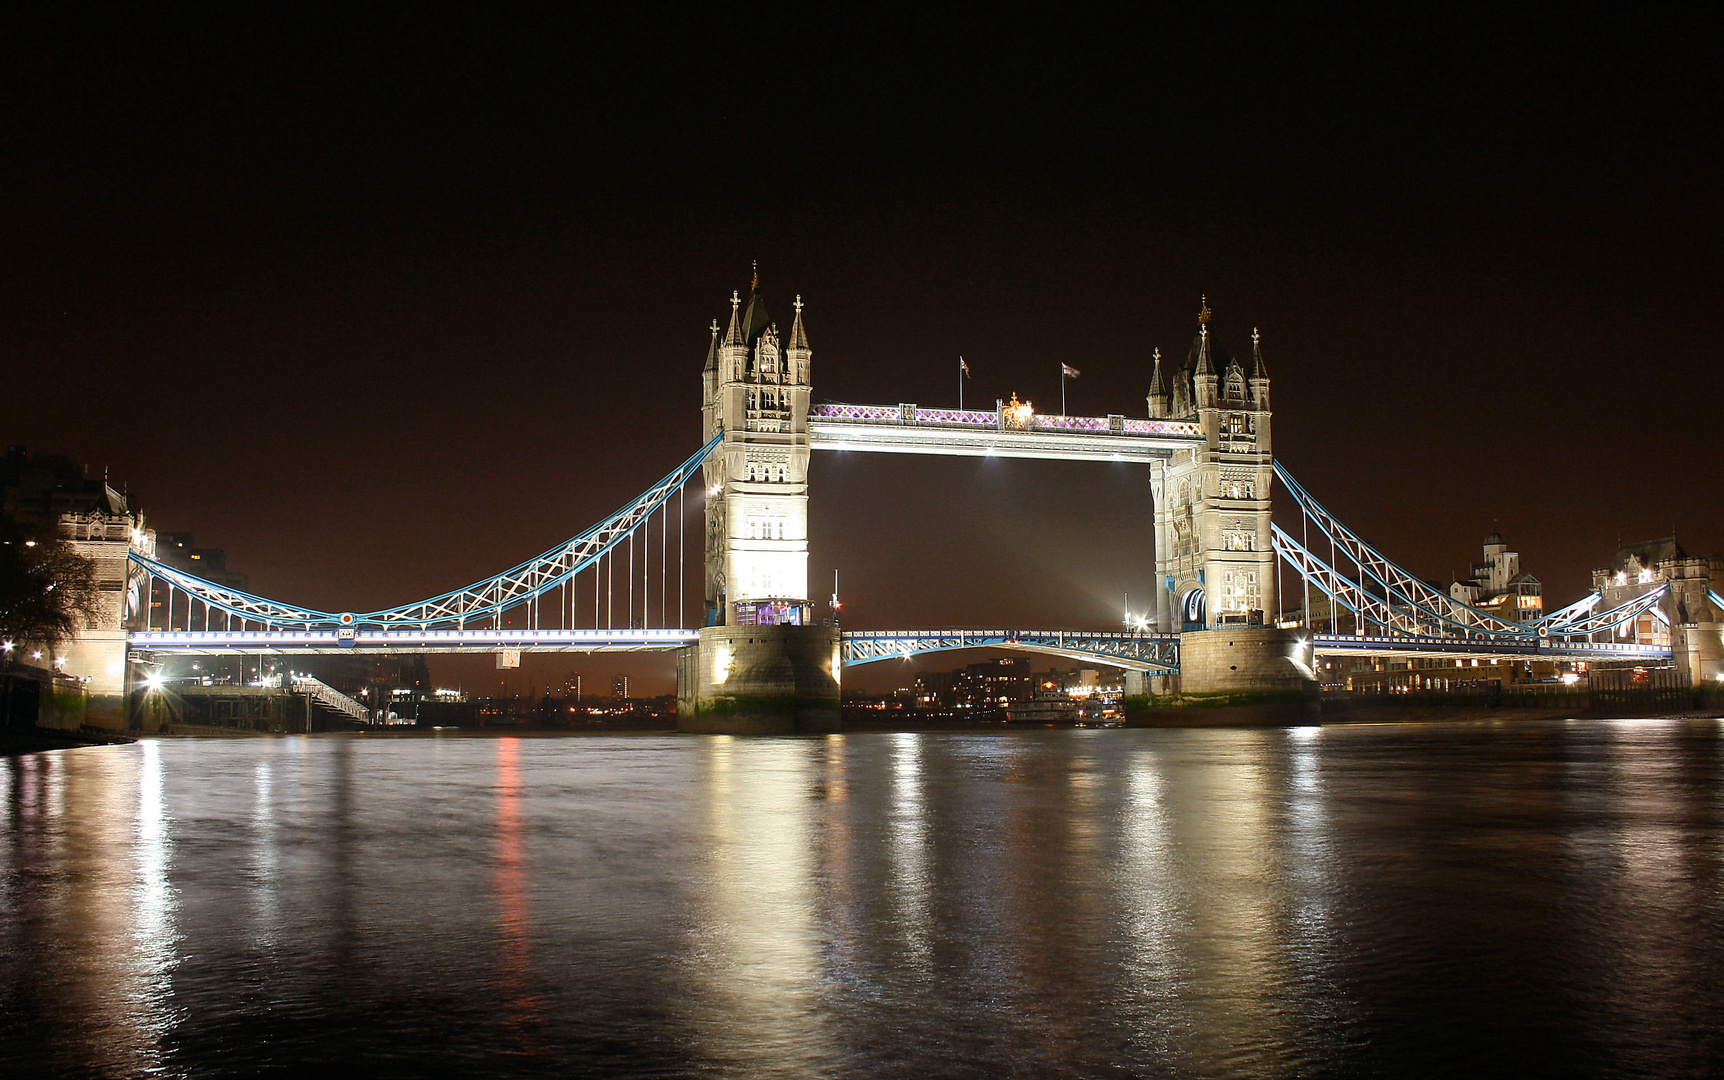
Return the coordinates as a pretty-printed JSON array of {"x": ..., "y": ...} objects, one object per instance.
[
  {"x": 763, "y": 665},
  {"x": 1214, "y": 559}
]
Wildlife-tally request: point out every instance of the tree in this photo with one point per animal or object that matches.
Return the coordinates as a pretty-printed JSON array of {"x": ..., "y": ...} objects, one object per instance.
[{"x": 47, "y": 590}]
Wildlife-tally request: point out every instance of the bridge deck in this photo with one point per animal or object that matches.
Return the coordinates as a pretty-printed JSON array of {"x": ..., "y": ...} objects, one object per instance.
[
  {"x": 1440, "y": 648},
  {"x": 907, "y": 429},
  {"x": 217, "y": 642}
]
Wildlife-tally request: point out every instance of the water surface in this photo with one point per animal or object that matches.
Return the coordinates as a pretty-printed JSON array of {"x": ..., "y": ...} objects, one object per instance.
[{"x": 1445, "y": 900}]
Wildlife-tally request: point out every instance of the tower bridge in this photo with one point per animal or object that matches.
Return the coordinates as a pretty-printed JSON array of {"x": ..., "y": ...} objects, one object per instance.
[{"x": 759, "y": 660}]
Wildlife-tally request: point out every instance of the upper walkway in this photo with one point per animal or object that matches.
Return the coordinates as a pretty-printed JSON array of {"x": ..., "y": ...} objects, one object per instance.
[{"x": 1007, "y": 431}]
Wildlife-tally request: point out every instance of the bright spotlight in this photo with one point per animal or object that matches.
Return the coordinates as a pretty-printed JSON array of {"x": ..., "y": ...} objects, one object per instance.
[{"x": 154, "y": 681}]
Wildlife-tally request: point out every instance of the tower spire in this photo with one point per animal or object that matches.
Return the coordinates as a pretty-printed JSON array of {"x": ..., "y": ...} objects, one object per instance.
[
  {"x": 798, "y": 335},
  {"x": 1204, "y": 367},
  {"x": 1159, "y": 402},
  {"x": 712, "y": 349},
  {"x": 733, "y": 336},
  {"x": 754, "y": 283},
  {"x": 1258, "y": 370}
]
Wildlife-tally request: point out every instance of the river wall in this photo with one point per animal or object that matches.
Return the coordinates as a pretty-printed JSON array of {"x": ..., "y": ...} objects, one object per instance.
[{"x": 1219, "y": 710}]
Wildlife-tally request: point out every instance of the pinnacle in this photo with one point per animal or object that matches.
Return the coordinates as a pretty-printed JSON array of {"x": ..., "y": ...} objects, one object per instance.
[
  {"x": 798, "y": 335},
  {"x": 733, "y": 336}
]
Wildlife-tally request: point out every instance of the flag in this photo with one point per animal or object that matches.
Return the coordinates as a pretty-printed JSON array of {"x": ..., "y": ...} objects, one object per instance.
[
  {"x": 963, "y": 367},
  {"x": 1067, "y": 371}
]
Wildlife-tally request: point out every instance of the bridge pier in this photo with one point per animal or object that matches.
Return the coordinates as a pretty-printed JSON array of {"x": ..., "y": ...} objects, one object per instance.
[
  {"x": 759, "y": 680},
  {"x": 1243, "y": 660}
]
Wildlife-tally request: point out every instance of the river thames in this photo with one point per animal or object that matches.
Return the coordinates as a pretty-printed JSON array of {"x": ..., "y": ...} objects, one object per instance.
[{"x": 1446, "y": 900}]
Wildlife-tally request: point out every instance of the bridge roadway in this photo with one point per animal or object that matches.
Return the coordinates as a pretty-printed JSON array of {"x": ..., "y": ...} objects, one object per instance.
[
  {"x": 1133, "y": 651},
  {"x": 1142, "y": 652},
  {"x": 1450, "y": 648}
]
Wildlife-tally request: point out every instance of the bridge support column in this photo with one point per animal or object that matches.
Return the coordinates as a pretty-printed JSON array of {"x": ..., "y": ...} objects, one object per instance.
[
  {"x": 759, "y": 680},
  {"x": 1245, "y": 660}
]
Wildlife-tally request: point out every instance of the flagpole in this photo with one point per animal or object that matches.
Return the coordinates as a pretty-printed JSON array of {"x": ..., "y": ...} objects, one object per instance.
[
  {"x": 960, "y": 384},
  {"x": 1062, "y": 389}
]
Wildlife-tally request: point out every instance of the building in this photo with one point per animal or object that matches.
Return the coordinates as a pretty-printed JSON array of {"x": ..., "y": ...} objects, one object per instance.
[
  {"x": 572, "y": 686},
  {"x": 1687, "y": 621},
  {"x": 1498, "y": 586},
  {"x": 176, "y": 549},
  {"x": 936, "y": 689},
  {"x": 993, "y": 684},
  {"x": 619, "y": 686},
  {"x": 1213, "y": 555},
  {"x": 52, "y": 497}
]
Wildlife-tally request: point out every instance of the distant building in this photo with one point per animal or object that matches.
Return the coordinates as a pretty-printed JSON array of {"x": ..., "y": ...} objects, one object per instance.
[
  {"x": 175, "y": 549},
  {"x": 1498, "y": 586},
  {"x": 572, "y": 685},
  {"x": 995, "y": 683},
  {"x": 936, "y": 689},
  {"x": 619, "y": 686}
]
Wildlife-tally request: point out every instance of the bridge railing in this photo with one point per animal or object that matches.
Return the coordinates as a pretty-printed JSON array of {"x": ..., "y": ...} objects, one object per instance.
[
  {"x": 999, "y": 420},
  {"x": 333, "y": 698}
]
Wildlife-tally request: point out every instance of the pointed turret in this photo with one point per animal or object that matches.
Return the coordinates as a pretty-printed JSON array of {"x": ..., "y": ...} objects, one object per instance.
[
  {"x": 734, "y": 335},
  {"x": 798, "y": 335},
  {"x": 709, "y": 371},
  {"x": 754, "y": 318},
  {"x": 1204, "y": 381},
  {"x": 1158, "y": 398},
  {"x": 733, "y": 347},
  {"x": 1259, "y": 372},
  {"x": 712, "y": 351},
  {"x": 797, "y": 354}
]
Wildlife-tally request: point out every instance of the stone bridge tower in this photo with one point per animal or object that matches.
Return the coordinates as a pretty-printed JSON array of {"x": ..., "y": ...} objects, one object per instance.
[
  {"x": 762, "y": 665},
  {"x": 1215, "y": 563}
]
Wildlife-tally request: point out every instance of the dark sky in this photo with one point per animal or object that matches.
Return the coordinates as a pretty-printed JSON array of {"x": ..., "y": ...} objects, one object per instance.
[{"x": 384, "y": 301}]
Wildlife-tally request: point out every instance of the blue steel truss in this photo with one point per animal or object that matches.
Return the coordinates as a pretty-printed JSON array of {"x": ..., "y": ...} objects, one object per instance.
[
  {"x": 1387, "y": 601},
  {"x": 1388, "y": 604},
  {"x": 1139, "y": 652},
  {"x": 453, "y": 610}
]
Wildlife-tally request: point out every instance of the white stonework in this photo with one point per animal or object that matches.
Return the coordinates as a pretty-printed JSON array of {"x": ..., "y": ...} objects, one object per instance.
[
  {"x": 755, "y": 392},
  {"x": 98, "y": 653},
  {"x": 1214, "y": 560}
]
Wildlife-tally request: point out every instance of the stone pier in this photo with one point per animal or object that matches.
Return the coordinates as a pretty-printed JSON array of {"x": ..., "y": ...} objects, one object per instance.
[{"x": 759, "y": 680}]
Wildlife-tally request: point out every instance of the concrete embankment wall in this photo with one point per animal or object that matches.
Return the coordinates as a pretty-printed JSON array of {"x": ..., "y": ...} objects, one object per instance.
[{"x": 1350, "y": 708}]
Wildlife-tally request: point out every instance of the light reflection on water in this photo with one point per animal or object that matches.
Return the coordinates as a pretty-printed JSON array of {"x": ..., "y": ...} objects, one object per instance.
[{"x": 1368, "y": 901}]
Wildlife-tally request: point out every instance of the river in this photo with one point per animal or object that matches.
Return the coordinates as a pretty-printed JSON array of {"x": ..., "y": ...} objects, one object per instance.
[{"x": 1444, "y": 900}]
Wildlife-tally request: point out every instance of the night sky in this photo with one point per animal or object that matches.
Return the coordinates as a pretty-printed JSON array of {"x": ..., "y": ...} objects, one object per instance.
[{"x": 383, "y": 302}]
